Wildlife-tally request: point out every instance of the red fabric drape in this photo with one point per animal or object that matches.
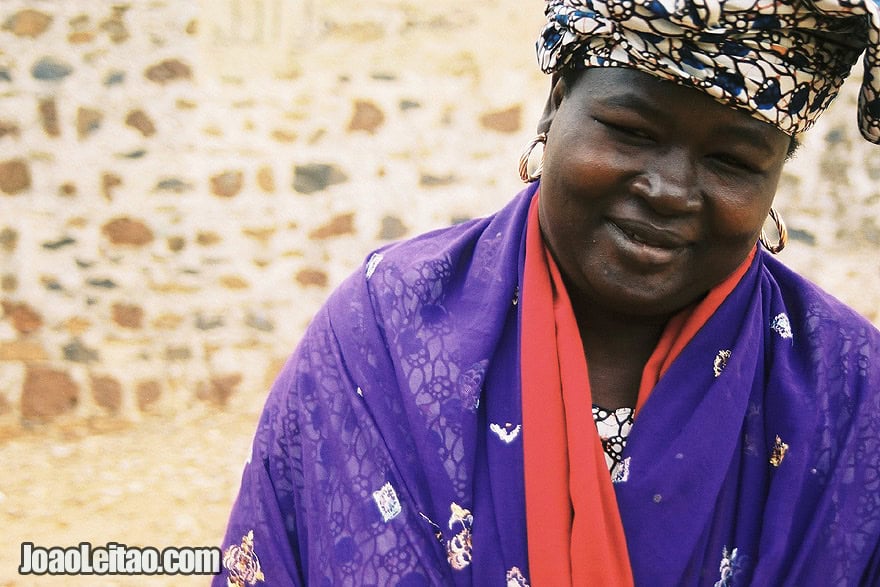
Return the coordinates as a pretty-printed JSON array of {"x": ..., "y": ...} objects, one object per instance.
[{"x": 575, "y": 535}]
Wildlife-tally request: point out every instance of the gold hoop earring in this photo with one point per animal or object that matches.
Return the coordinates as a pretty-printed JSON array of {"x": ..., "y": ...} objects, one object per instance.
[
  {"x": 781, "y": 229},
  {"x": 524, "y": 173}
]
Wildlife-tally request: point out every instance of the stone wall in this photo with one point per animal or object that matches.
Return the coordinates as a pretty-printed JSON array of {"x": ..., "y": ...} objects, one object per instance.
[{"x": 182, "y": 186}]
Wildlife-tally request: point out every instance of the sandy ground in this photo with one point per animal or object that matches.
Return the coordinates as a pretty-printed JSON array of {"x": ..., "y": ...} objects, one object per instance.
[{"x": 157, "y": 483}]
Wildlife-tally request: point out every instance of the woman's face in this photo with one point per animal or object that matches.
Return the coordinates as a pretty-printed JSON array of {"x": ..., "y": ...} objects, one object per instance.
[{"x": 652, "y": 193}]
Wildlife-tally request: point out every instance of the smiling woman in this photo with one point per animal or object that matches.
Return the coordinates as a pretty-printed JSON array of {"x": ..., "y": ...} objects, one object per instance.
[
  {"x": 434, "y": 426},
  {"x": 652, "y": 194}
]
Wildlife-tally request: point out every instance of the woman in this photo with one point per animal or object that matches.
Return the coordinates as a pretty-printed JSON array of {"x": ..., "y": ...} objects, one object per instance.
[{"x": 434, "y": 426}]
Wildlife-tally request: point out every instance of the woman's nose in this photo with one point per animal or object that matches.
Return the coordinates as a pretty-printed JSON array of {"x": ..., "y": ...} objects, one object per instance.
[{"x": 668, "y": 183}]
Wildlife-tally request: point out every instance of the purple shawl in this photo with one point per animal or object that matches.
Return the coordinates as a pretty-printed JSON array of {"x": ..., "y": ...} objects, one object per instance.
[{"x": 389, "y": 451}]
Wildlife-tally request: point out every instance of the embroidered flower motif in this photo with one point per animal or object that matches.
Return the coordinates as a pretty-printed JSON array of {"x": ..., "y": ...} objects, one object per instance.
[
  {"x": 374, "y": 261},
  {"x": 781, "y": 325},
  {"x": 721, "y": 362},
  {"x": 459, "y": 549},
  {"x": 620, "y": 471},
  {"x": 515, "y": 578},
  {"x": 471, "y": 384},
  {"x": 242, "y": 563},
  {"x": 387, "y": 502},
  {"x": 508, "y": 432},
  {"x": 779, "y": 450},
  {"x": 729, "y": 568}
]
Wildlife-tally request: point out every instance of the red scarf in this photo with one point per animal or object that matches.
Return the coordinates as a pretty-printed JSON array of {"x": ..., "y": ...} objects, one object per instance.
[{"x": 575, "y": 535}]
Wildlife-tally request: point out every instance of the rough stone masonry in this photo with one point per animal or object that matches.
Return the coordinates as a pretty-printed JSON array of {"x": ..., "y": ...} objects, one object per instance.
[{"x": 180, "y": 189}]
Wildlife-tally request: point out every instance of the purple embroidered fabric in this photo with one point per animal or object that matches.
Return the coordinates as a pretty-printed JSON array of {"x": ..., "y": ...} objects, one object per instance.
[{"x": 389, "y": 451}]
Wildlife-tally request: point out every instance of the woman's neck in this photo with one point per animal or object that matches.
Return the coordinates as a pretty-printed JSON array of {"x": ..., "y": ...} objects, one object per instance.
[{"x": 616, "y": 348}]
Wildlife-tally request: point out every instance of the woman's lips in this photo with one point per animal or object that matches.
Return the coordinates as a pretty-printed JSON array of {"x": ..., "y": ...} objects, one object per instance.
[{"x": 647, "y": 243}]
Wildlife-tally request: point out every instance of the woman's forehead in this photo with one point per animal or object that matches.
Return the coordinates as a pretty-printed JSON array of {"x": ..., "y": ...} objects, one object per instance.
[
  {"x": 626, "y": 90},
  {"x": 781, "y": 61},
  {"x": 629, "y": 88}
]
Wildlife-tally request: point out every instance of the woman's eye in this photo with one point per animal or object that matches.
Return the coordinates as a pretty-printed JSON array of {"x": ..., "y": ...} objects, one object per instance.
[
  {"x": 626, "y": 130},
  {"x": 734, "y": 162}
]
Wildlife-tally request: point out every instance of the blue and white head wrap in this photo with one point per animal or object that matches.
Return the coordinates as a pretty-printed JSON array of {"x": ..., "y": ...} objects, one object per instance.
[{"x": 782, "y": 61}]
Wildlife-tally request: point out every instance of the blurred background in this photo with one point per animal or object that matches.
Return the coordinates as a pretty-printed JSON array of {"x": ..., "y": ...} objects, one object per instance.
[{"x": 183, "y": 183}]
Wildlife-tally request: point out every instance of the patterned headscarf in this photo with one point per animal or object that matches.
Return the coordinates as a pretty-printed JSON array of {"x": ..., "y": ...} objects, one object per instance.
[{"x": 782, "y": 61}]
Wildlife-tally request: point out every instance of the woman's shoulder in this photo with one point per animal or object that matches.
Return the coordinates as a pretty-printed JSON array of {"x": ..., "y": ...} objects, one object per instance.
[
  {"x": 827, "y": 329},
  {"x": 464, "y": 238},
  {"x": 427, "y": 265},
  {"x": 818, "y": 306}
]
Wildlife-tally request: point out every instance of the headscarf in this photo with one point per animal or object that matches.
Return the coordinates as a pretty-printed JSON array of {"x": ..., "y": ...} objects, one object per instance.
[{"x": 782, "y": 61}]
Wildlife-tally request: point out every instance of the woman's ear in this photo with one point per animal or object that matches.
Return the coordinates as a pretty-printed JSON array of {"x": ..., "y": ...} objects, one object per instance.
[{"x": 554, "y": 99}]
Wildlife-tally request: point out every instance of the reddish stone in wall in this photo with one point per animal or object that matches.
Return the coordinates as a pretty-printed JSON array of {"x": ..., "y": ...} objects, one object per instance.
[
  {"x": 107, "y": 392},
  {"x": 227, "y": 184},
  {"x": 266, "y": 179},
  {"x": 178, "y": 353},
  {"x": 109, "y": 182},
  {"x": 8, "y": 282},
  {"x": 367, "y": 117},
  {"x": 15, "y": 176},
  {"x": 67, "y": 189},
  {"x": 176, "y": 243},
  {"x": 218, "y": 390},
  {"x": 24, "y": 318},
  {"x": 27, "y": 23},
  {"x": 115, "y": 27},
  {"x": 141, "y": 121},
  {"x": 309, "y": 276},
  {"x": 168, "y": 71},
  {"x": 49, "y": 117},
  {"x": 234, "y": 282},
  {"x": 7, "y": 127},
  {"x": 168, "y": 321},
  {"x": 128, "y": 315},
  {"x": 8, "y": 239},
  {"x": 339, "y": 225},
  {"x": 506, "y": 121},
  {"x": 88, "y": 120},
  {"x": 283, "y": 136},
  {"x": 127, "y": 231},
  {"x": 80, "y": 37},
  {"x": 147, "y": 393},
  {"x": 22, "y": 350},
  {"x": 47, "y": 393},
  {"x": 263, "y": 235},
  {"x": 207, "y": 238}
]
